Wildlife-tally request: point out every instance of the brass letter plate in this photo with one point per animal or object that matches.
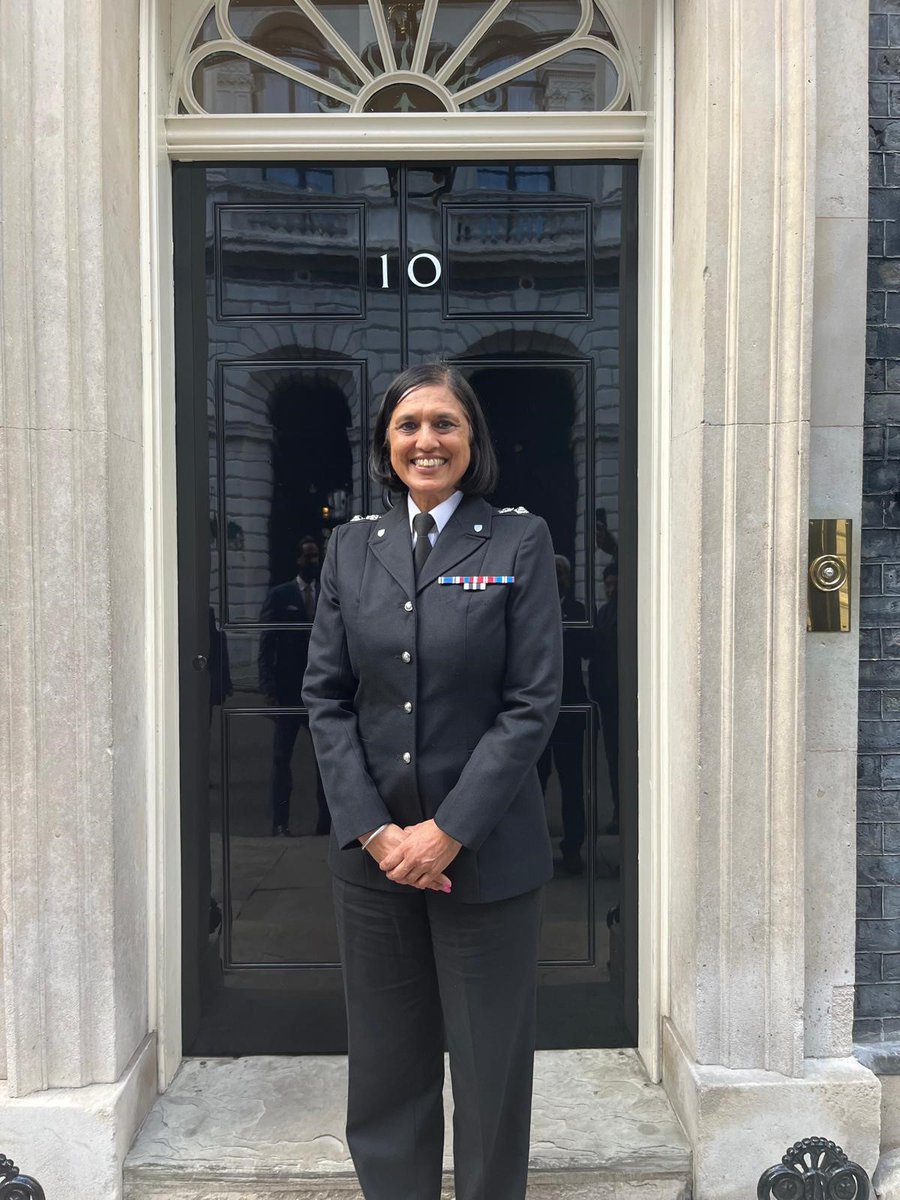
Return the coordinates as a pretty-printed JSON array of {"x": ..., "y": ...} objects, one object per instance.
[{"x": 830, "y": 548}]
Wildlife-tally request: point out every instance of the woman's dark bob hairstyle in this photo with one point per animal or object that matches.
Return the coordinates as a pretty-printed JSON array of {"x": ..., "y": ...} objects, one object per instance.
[{"x": 481, "y": 474}]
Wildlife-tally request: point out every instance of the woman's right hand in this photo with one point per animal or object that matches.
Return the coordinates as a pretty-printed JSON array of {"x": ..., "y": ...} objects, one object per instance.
[{"x": 387, "y": 841}]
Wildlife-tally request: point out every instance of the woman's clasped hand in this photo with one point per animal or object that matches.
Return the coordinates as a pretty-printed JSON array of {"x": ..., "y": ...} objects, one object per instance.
[{"x": 417, "y": 855}]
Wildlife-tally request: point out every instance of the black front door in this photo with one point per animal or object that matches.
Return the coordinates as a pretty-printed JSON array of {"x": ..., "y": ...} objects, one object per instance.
[{"x": 300, "y": 292}]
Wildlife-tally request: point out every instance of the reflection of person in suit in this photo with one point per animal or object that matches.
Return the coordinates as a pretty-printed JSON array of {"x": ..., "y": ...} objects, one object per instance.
[
  {"x": 565, "y": 750},
  {"x": 603, "y": 680},
  {"x": 281, "y": 663},
  {"x": 429, "y": 706}
]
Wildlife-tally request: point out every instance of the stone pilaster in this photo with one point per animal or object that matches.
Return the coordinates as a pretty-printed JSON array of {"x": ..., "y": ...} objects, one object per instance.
[
  {"x": 743, "y": 262},
  {"x": 73, "y": 857}
]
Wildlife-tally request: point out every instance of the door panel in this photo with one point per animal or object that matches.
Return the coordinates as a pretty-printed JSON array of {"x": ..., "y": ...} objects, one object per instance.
[
  {"x": 554, "y": 280},
  {"x": 300, "y": 292},
  {"x": 324, "y": 275}
]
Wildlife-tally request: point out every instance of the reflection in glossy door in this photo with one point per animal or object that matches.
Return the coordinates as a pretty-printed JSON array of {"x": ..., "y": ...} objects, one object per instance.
[{"x": 301, "y": 292}]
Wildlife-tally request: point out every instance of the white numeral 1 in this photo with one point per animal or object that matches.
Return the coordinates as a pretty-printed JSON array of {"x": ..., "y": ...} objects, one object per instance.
[{"x": 384, "y": 271}]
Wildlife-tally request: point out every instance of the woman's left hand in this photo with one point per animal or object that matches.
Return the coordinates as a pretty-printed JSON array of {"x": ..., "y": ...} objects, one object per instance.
[{"x": 424, "y": 852}]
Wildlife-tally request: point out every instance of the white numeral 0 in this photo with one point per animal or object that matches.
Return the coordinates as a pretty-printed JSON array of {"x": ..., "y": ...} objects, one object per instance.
[{"x": 411, "y": 270}]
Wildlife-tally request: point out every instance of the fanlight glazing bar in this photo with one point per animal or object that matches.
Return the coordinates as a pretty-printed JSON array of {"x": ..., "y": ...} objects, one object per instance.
[
  {"x": 223, "y": 21},
  {"x": 426, "y": 24},
  {"x": 383, "y": 34},
  {"x": 331, "y": 35},
  {"x": 588, "y": 9},
  {"x": 474, "y": 35}
]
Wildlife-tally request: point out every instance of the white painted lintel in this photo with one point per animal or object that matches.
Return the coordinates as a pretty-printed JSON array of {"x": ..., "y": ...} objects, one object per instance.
[{"x": 247, "y": 137}]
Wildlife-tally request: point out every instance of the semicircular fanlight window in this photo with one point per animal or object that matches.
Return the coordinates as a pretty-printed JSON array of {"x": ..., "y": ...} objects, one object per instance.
[{"x": 302, "y": 56}]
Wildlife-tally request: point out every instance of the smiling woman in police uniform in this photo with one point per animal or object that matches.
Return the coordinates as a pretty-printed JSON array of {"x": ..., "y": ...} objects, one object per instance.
[{"x": 433, "y": 683}]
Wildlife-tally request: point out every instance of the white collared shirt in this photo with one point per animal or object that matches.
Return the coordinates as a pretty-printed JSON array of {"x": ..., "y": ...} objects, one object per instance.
[{"x": 441, "y": 513}]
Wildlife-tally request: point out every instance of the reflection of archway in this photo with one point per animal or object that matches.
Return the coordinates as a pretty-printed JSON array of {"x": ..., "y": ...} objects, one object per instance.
[
  {"x": 312, "y": 461},
  {"x": 288, "y": 35},
  {"x": 290, "y": 462},
  {"x": 531, "y": 413},
  {"x": 522, "y": 342},
  {"x": 534, "y": 390}
]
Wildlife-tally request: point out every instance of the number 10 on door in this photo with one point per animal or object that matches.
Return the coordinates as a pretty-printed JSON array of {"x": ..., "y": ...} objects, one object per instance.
[{"x": 418, "y": 275}]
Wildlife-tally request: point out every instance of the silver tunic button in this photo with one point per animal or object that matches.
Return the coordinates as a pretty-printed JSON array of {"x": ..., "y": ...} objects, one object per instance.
[
  {"x": 408, "y": 706},
  {"x": 406, "y": 656},
  {"x": 381, "y": 533},
  {"x": 407, "y": 757},
  {"x": 408, "y": 606}
]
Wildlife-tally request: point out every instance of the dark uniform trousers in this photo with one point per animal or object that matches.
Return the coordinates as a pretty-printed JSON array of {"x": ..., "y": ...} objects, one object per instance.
[{"x": 419, "y": 966}]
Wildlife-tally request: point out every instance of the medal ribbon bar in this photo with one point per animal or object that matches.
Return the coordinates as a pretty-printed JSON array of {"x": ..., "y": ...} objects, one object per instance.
[{"x": 476, "y": 583}]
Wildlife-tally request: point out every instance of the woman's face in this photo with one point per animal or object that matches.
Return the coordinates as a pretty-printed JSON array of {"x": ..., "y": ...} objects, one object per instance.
[{"x": 428, "y": 437}]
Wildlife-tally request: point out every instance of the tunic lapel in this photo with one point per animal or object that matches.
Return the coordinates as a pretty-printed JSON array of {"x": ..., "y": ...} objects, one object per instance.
[
  {"x": 393, "y": 548},
  {"x": 458, "y": 539}
]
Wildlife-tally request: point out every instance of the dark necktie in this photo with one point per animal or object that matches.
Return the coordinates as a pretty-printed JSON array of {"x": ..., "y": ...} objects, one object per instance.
[
  {"x": 423, "y": 523},
  {"x": 309, "y": 602}
]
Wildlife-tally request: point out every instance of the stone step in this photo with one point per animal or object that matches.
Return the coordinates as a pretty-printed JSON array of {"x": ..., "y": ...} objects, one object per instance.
[
  {"x": 255, "y": 1128},
  {"x": 886, "y": 1179}
]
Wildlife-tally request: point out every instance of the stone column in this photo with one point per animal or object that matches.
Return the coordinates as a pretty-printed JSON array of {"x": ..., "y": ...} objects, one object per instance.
[
  {"x": 73, "y": 834},
  {"x": 734, "y": 1042}
]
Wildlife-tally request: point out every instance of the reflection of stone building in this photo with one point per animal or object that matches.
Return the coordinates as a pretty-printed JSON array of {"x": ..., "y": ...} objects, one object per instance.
[
  {"x": 746, "y": 122},
  {"x": 482, "y": 241}
]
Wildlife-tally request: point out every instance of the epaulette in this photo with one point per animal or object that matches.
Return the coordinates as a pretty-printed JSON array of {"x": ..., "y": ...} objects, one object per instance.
[
  {"x": 520, "y": 509},
  {"x": 368, "y": 517}
]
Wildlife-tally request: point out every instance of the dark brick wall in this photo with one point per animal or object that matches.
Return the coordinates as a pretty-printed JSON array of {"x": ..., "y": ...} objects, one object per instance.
[{"x": 878, "y": 797}]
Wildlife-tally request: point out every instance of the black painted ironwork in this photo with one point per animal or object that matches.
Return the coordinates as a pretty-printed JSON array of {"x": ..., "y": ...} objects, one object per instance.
[
  {"x": 814, "y": 1169},
  {"x": 14, "y": 1186}
]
